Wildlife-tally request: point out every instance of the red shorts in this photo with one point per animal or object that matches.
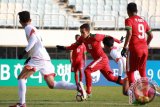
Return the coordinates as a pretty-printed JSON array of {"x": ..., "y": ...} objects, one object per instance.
[
  {"x": 101, "y": 64},
  {"x": 136, "y": 60},
  {"x": 76, "y": 66}
]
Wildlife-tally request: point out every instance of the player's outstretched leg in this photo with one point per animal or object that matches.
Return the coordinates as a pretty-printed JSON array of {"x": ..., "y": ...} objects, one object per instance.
[
  {"x": 109, "y": 76},
  {"x": 80, "y": 88}
]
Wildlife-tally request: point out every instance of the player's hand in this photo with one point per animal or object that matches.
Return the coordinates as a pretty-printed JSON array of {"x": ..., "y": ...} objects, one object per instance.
[
  {"x": 20, "y": 56},
  {"x": 123, "y": 52},
  {"x": 27, "y": 60},
  {"x": 60, "y": 47},
  {"x": 122, "y": 39}
]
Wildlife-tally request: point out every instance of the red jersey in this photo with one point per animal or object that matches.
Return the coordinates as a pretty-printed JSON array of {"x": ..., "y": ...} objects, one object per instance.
[
  {"x": 139, "y": 28},
  {"x": 78, "y": 53},
  {"x": 93, "y": 45}
]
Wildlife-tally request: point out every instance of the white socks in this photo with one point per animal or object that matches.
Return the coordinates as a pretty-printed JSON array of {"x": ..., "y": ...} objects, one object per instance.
[
  {"x": 22, "y": 90},
  {"x": 64, "y": 85}
]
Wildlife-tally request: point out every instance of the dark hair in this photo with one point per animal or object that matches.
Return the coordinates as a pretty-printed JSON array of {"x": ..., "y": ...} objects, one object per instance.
[
  {"x": 86, "y": 26},
  {"x": 108, "y": 41},
  {"x": 77, "y": 35},
  {"x": 132, "y": 7},
  {"x": 24, "y": 16}
]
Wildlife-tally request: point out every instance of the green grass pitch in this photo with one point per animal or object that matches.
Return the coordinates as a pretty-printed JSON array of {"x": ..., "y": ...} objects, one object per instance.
[{"x": 45, "y": 97}]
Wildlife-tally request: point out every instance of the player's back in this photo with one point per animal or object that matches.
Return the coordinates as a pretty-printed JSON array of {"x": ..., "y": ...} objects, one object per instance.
[
  {"x": 38, "y": 51},
  {"x": 139, "y": 28}
]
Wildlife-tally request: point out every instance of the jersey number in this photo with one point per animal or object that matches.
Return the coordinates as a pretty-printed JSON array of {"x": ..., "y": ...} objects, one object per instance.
[{"x": 141, "y": 30}]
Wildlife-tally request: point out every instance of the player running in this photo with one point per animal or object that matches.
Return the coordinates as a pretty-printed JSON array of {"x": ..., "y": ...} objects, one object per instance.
[
  {"x": 39, "y": 60},
  {"x": 100, "y": 60},
  {"x": 78, "y": 59}
]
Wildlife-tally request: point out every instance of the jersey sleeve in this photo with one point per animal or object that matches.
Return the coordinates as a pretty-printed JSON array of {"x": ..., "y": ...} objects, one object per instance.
[
  {"x": 148, "y": 29},
  {"x": 32, "y": 40},
  {"x": 99, "y": 37},
  {"x": 114, "y": 54},
  {"x": 128, "y": 24}
]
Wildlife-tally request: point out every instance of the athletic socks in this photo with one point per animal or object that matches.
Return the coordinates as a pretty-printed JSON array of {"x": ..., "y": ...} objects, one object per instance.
[
  {"x": 22, "y": 90},
  {"x": 64, "y": 85}
]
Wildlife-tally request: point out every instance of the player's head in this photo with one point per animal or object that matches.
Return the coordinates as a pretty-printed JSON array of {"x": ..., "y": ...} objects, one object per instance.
[
  {"x": 85, "y": 30},
  {"x": 108, "y": 41},
  {"x": 132, "y": 9},
  {"x": 77, "y": 36},
  {"x": 24, "y": 17}
]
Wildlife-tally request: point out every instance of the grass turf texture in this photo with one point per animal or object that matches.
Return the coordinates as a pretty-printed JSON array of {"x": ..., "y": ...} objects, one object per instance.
[{"x": 45, "y": 97}]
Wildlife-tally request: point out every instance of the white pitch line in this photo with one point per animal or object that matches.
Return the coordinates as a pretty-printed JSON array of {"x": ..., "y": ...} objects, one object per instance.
[{"x": 84, "y": 102}]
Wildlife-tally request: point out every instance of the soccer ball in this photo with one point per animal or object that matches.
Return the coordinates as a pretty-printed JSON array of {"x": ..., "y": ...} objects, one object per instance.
[
  {"x": 143, "y": 99},
  {"x": 79, "y": 98}
]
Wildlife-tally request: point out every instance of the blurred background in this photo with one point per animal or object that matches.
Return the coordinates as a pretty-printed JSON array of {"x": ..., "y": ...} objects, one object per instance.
[{"x": 52, "y": 17}]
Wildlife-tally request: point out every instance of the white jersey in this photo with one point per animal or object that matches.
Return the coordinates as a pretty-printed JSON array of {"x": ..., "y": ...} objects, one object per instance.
[
  {"x": 116, "y": 55},
  {"x": 35, "y": 48}
]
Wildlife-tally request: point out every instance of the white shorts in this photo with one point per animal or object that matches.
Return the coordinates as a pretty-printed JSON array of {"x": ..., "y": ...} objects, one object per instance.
[{"x": 45, "y": 67}]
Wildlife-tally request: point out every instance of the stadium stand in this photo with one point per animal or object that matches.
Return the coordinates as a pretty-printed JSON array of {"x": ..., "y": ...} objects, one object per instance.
[
  {"x": 70, "y": 14},
  {"x": 59, "y": 14}
]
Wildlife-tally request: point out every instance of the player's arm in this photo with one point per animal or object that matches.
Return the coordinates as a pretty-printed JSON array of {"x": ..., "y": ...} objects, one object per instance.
[
  {"x": 149, "y": 34},
  {"x": 116, "y": 40},
  {"x": 127, "y": 40},
  {"x": 150, "y": 37},
  {"x": 118, "y": 60},
  {"x": 128, "y": 37},
  {"x": 32, "y": 40},
  {"x": 128, "y": 28},
  {"x": 71, "y": 55},
  {"x": 71, "y": 47},
  {"x": 85, "y": 56}
]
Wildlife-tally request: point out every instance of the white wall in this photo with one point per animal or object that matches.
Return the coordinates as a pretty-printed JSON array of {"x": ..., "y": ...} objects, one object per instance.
[{"x": 51, "y": 38}]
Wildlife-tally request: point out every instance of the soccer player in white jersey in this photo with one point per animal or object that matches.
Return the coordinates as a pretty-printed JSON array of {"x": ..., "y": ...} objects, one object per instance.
[
  {"x": 115, "y": 54},
  {"x": 39, "y": 60}
]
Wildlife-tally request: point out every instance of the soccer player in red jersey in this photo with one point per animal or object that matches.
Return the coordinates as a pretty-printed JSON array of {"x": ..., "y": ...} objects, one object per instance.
[
  {"x": 78, "y": 58},
  {"x": 100, "y": 60},
  {"x": 137, "y": 54}
]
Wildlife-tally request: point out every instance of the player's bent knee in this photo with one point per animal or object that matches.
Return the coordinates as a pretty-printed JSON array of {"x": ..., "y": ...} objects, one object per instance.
[
  {"x": 87, "y": 70},
  {"x": 110, "y": 77}
]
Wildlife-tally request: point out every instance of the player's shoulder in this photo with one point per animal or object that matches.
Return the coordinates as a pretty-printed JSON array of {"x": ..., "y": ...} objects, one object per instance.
[
  {"x": 29, "y": 29},
  {"x": 92, "y": 35}
]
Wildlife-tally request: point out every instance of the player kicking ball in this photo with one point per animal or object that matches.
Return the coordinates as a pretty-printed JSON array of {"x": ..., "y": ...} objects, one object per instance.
[
  {"x": 39, "y": 60},
  {"x": 100, "y": 59}
]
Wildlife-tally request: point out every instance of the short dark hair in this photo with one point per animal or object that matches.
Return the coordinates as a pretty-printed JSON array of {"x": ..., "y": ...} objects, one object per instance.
[
  {"x": 24, "y": 16},
  {"x": 108, "y": 41},
  {"x": 86, "y": 26},
  {"x": 132, "y": 7},
  {"x": 77, "y": 35}
]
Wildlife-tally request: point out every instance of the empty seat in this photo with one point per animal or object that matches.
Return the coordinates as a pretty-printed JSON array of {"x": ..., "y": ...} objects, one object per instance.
[
  {"x": 78, "y": 8},
  {"x": 100, "y": 2},
  {"x": 108, "y": 2},
  {"x": 71, "y": 2}
]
